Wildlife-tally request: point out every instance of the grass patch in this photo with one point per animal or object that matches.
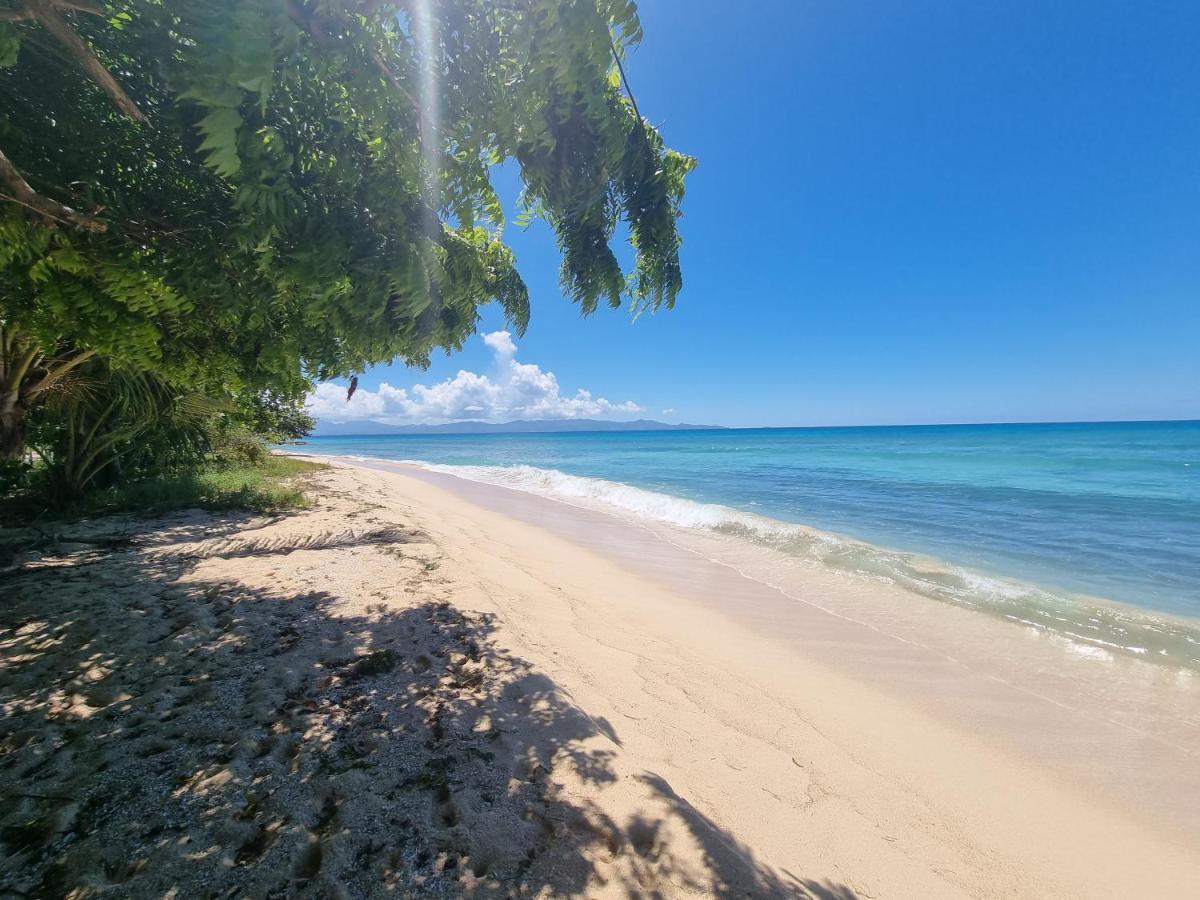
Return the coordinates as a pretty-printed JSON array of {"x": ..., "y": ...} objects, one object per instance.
[{"x": 265, "y": 488}]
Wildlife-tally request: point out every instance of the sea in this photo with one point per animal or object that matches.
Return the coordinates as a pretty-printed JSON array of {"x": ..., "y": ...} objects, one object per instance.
[{"x": 1088, "y": 530}]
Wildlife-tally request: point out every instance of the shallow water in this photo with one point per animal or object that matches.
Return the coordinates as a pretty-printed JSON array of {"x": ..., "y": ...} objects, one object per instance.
[{"x": 1041, "y": 524}]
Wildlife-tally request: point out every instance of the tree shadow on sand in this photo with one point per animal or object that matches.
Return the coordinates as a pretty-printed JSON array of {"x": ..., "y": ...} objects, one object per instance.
[
  {"x": 729, "y": 862},
  {"x": 211, "y": 739}
]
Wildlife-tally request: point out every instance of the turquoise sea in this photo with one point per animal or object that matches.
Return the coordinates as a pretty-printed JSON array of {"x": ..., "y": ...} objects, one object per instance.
[{"x": 1041, "y": 523}]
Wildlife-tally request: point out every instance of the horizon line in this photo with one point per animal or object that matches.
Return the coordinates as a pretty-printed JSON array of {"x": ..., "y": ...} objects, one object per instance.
[{"x": 710, "y": 427}]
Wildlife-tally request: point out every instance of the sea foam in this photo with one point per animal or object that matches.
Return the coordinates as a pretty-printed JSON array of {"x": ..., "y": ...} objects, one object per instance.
[{"x": 1082, "y": 621}]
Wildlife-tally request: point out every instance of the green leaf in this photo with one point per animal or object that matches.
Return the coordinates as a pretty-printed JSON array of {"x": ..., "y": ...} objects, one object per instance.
[
  {"x": 10, "y": 44},
  {"x": 220, "y": 130}
]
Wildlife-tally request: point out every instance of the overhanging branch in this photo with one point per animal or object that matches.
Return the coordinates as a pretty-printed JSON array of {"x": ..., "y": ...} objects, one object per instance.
[
  {"x": 47, "y": 13},
  {"x": 311, "y": 23},
  {"x": 23, "y": 14},
  {"x": 20, "y": 192}
]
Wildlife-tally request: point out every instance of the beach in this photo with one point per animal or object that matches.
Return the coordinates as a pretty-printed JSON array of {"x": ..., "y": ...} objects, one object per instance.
[
  {"x": 382, "y": 517},
  {"x": 426, "y": 686}
]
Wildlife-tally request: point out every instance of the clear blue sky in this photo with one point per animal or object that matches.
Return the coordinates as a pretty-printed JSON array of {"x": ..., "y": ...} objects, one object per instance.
[{"x": 905, "y": 212}]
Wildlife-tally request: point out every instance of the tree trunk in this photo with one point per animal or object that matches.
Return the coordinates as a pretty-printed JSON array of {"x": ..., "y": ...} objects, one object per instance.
[
  {"x": 12, "y": 429},
  {"x": 26, "y": 374}
]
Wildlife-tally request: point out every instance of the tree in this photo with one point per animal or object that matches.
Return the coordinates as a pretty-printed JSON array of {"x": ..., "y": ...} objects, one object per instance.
[
  {"x": 273, "y": 416},
  {"x": 241, "y": 195},
  {"x": 111, "y": 421}
]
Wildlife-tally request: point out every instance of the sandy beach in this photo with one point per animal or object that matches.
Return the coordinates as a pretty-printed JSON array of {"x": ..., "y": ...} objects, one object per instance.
[
  {"x": 590, "y": 449},
  {"x": 421, "y": 687}
]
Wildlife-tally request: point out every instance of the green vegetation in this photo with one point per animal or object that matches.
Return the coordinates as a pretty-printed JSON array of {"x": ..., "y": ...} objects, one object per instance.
[
  {"x": 268, "y": 486},
  {"x": 207, "y": 205}
]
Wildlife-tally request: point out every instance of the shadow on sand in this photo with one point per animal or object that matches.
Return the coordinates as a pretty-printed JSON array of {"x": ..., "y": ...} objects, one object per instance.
[{"x": 166, "y": 733}]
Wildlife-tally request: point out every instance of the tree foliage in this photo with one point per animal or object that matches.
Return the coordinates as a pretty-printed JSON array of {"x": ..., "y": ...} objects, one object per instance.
[
  {"x": 243, "y": 195},
  {"x": 112, "y": 421}
]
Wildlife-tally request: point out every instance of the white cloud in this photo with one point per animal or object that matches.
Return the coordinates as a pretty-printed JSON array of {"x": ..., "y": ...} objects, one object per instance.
[
  {"x": 515, "y": 391},
  {"x": 502, "y": 343}
]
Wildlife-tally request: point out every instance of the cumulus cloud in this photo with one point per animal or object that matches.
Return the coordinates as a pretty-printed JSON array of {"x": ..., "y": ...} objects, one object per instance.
[
  {"x": 513, "y": 391},
  {"x": 502, "y": 343}
]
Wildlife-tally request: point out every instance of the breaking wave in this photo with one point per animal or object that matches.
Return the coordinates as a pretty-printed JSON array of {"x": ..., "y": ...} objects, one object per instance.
[{"x": 1094, "y": 627}]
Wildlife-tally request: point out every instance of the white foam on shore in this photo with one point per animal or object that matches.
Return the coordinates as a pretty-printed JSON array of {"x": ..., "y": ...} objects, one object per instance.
[
  {"x": 1084, "y": 622},
  {"x": 642, "y": 503}
]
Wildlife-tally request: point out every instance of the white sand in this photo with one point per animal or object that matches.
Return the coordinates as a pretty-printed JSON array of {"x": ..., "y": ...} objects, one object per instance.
[{"x": 474, "y": 703}]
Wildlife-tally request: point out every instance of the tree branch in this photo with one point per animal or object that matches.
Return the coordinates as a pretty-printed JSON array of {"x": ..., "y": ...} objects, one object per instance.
[
  {"x": 321, "y": 37},
  {"x": 24, "y": 365},
  {"x": 82, "y": 6},
  {"x": 22, "y": 14},
  {"x": 387, "y": 73},
  {"x": 307, "y": 22},
  {"x": 23, "y": 194},
  {"x": 50, "y": 18},
  {"x": 629, "y": 90},
  {"x": 16, "y": 372}
]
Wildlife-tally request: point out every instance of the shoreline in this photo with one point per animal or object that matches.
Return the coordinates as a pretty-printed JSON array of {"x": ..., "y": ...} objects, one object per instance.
[
  {"x": 1158, "y": 637},
  {"x": 1061, "y": 732},
  {"x": 421, "y": 686}
]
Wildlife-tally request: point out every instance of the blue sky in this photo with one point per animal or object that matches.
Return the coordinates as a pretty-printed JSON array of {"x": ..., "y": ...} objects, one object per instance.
[{"x": 903, "y": 212}]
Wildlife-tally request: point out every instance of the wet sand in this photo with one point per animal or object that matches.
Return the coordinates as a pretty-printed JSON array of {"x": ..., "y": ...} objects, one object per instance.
[
  {"x": 1106, "y": 750},
  {"x": 1126, "y": 730}
]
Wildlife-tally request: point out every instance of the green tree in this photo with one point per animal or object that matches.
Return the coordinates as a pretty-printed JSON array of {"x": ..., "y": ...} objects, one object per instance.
[
  {"x": 242, "y": 195},
  {"x": 110, "y": 421},
  {"x": 273, "y": 416}
]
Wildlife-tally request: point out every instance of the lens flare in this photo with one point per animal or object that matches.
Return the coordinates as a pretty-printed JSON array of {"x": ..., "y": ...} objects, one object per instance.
[{"x": 424, "y": 31}]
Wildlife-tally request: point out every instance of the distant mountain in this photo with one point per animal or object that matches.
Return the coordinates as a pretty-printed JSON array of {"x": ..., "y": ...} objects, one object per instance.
[{"x": 520, "y": 426}]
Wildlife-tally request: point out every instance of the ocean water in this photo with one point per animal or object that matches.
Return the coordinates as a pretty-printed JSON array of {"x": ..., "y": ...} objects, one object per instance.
[{"x": 1090, "y": 530}]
